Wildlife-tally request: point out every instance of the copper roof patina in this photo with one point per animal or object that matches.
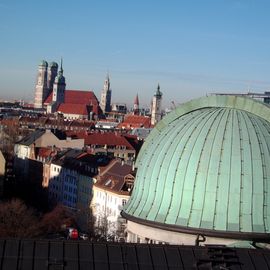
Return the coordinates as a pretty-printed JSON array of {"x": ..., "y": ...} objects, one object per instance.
[{"x": 205, "y": 166}]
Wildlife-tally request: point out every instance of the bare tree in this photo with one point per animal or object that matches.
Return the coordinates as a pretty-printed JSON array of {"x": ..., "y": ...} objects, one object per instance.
[
  {"x": 18, "y": 220},
  {"x": 56, "y": 220}
]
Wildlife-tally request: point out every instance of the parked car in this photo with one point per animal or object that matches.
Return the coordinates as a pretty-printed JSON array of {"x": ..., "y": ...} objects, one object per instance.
[
  {"x": 72, "y": 234},
  {"x": 83, "y": 236}
]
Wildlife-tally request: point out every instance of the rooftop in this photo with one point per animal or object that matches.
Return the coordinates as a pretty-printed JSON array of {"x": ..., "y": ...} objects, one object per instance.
[
  {"x": 106, "y": 138},
  {"x": 32, "y": 137},
  {"x": 52, "y": 254},
  {"x": 204, "y": 168},
  {"x": 71, "y": 108},
  {"x": 77, "y": 97},
  {"x": 112, "y": 177},
  {"x": 135, "y": 121}
]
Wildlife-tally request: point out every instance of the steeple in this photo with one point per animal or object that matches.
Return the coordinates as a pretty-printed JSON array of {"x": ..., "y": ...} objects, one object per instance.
[
  {"x": 156, "y": 107},
  {"x": 107, "y": 82},
  {"x": 136, "y": 105},
  {"x": 158, "y": 92},
  {"x": 59, "y": 86},
  {"x": 61, "y": 71},
  {"x": 105, "y": 102},
  {"x": 52, "y": 73}
]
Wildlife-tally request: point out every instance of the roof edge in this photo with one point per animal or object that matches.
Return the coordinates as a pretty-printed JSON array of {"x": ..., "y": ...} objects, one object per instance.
[
  {"x": 220, "y": 101},
  {"x": 256, "y": 237}
]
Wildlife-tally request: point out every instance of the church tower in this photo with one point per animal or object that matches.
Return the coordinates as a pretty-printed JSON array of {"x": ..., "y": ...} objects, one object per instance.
[
  {"x": 106, "y": 94},
  {"x": 156, "y": 107},
  {"x": 136, "y": 109},
  {"x": 52, "y": 73},
  {"x": 59, "y": 87},
  {"x": 41, "y": 91}
]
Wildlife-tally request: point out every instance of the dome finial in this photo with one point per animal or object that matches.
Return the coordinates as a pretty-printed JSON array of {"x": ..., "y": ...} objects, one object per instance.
[
  {"x": 158, "y": 92},
  {"x": 61, "y": 67}
]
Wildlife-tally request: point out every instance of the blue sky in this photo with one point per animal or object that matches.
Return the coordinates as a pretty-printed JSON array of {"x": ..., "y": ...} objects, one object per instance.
[{"x": 190, "y": 47}]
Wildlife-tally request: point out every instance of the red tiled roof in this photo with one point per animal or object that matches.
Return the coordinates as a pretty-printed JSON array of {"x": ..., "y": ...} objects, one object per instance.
[
  {"x": 107, "y": 138},
  {"x": 28, "y": 105},
  {"x": 135, "y": 121},
  {"x": 45, "y": 152},
  {"x": 113, "y": 177},
  {"x": 77, "y": 97},
  {"x": 9, "y": 122},
  {"x": 71, "y": 108},
  {"x": 82, "y": 123}
]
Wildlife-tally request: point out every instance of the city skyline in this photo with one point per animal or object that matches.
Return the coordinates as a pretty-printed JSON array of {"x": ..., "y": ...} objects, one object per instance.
[{"x": 190, "y": 48}]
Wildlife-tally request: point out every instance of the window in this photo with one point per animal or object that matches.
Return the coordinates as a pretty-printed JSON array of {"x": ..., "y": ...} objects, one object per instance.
[{"x": 124, "y": 202}]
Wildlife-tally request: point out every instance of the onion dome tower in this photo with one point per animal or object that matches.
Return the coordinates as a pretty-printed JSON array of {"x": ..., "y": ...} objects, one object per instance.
[
  {"x": 59, "y": 86},
  {"x": 41, "y": 90},
  {"x": 204, "y": 170},
  {"x": 52, "y": 73}
]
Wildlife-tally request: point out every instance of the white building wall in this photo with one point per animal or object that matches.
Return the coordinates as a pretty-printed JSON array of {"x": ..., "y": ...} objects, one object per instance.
[
  {"x": 55, "y": 183},
  {"x": 72, "y": 116},
  {"x": 49, "y": 139},
  {"x": 106, "y": 204},
  {"x": 22, "y": 155},
  {"x": 22, "y": 151},
  {"x": 138, "y": 233}
]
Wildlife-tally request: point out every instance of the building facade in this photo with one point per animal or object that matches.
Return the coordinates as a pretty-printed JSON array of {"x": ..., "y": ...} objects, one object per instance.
[
  {"x": 25, "y": 149},
  {"x": 111, "y": 192},
  {"x": 2, "y": 173}
]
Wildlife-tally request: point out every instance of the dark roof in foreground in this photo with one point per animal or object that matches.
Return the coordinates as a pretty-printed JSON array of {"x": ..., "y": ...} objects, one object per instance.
[
  {"x": 32, "y": 137},
  {"x": 48, "y": 254}
]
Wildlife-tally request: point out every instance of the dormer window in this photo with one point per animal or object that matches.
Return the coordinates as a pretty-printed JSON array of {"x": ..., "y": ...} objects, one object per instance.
[{"x": 108, "y": 182}]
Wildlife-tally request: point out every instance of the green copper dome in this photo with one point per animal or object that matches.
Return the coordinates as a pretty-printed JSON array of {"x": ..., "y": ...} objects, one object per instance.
[
  {"x": 206, "y": 168},
  {"x": 43, "y": 63}
]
